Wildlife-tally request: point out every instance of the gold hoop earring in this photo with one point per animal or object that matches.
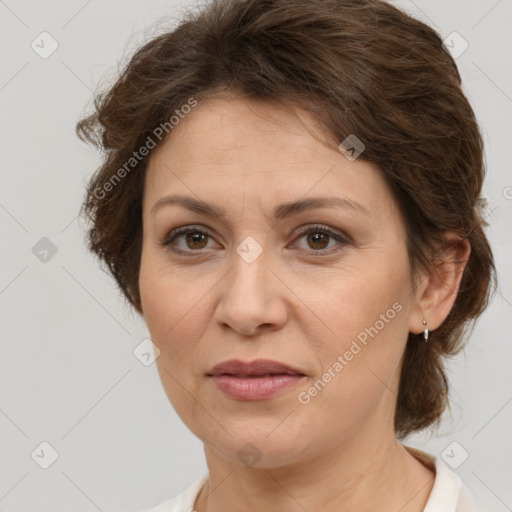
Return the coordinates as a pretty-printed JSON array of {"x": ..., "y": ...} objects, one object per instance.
[{"x": 425, "y": 331}]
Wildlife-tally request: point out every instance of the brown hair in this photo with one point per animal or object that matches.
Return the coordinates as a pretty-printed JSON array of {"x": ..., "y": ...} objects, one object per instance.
[{"x": 362, "y": 67}]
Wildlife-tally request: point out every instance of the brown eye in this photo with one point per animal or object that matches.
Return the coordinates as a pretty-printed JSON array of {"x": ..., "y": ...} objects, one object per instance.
[
  {"x": 318, "y": 238},
  {"x": 194, "y": 239}
]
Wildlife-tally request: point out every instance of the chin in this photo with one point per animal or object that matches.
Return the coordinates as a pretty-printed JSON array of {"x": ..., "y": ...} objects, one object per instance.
[{"x": 256, "y": 446}]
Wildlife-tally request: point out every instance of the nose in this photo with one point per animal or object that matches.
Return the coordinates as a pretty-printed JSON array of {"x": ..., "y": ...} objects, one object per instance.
[{"x": 252, "y": 297}]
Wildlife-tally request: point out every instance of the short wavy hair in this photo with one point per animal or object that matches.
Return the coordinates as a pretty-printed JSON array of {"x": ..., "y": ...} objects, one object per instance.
[{"x": 361, "y": 67}]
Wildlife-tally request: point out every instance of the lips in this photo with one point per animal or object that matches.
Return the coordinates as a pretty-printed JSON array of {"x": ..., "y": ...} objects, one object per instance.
[
  {"x": 256, "y": 368},
  {"x": 260, "y": 379}
]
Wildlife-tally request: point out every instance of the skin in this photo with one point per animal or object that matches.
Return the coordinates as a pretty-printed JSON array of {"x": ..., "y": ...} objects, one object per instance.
[{"x": 302, "y": 301}]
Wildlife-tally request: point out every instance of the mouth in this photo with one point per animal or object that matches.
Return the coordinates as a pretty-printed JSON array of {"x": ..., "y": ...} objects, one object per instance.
[
  {"x": 253, "y": 369},
  {"x": 256, "y": 380}
]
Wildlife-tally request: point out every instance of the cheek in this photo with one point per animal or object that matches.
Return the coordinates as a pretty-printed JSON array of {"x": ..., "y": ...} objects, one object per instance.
[
  {"x": 164, "y": 298},
  {"x": 367, "y": 316},
  {"x": 174, "y": 311},
  {"x": 370, "y": 300}
]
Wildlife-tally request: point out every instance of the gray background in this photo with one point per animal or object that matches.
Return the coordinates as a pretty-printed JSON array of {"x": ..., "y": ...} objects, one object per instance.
[{"x": 68, "y": 374}]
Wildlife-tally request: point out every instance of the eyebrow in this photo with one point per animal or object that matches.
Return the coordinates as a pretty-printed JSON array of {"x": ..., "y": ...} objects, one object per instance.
[{"x": 281, "y": 211}]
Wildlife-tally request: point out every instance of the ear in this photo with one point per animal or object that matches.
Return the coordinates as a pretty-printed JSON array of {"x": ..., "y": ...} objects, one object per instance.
[{"x": 436, "y": 291}]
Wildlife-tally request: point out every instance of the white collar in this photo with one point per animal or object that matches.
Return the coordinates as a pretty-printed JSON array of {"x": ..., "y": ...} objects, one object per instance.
[{"x": 444, "y": 496}]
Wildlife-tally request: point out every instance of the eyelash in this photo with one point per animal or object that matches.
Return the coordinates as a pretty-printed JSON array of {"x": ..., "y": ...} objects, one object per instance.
[{"x": 343, "y": 240}]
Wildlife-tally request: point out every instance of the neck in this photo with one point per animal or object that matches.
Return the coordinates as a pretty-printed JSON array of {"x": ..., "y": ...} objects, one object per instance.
[{"x": 355, "y": 475}]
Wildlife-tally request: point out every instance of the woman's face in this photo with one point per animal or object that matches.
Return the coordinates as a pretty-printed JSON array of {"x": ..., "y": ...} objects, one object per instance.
[{"x": 251, "y": 285}]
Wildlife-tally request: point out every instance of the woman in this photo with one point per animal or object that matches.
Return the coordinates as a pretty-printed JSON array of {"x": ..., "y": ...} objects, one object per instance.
[{"x": 289, "y": 198}]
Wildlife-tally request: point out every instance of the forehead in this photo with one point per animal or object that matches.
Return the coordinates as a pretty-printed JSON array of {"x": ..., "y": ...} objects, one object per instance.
[
  {"x": 266, "y": 151},
  {"x": 223, "y": 130}
]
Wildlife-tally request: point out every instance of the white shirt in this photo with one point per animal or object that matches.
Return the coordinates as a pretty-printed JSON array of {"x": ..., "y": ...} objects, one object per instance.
[{"x": 449, "y": 493}]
